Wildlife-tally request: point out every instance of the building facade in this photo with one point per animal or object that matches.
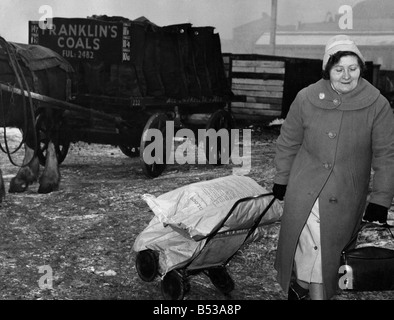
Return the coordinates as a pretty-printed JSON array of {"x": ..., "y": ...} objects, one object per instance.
[{"x": 372, "y": 29}]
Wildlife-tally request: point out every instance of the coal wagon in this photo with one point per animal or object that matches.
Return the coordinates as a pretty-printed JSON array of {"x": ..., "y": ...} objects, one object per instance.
[{"x": 132, "y": 76}]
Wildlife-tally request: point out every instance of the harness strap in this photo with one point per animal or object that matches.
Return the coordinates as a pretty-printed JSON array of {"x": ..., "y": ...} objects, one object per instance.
[{"x": 21, "y": 80}]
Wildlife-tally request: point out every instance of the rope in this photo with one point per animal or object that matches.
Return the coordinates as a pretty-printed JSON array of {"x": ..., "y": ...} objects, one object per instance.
[
  {"x": 6, "y": 150},
  {"x": 21, "y": 80}
]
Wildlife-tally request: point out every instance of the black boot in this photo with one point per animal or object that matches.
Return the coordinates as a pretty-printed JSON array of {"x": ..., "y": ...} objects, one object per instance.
[{"x": 296, "y": 292}]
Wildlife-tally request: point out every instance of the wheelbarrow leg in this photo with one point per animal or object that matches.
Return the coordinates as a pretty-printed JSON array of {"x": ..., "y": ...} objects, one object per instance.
[
  {"x": 221, "y": 279},
  {"x": 174, "y": 285}
]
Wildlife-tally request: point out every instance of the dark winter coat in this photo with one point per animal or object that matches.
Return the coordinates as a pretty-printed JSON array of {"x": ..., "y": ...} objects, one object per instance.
[{"x": 327, "y": 145}]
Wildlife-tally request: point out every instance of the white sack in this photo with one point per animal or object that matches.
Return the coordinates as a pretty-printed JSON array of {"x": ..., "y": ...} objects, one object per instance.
[
  {"x": 187, "y": 215},
  {"x": 196, "y": 209},
  {"x": 174, "y": 249}
]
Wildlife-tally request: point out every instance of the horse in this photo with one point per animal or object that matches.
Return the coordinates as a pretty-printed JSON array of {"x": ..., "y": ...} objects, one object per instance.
[{"x": 26, "y": 69}]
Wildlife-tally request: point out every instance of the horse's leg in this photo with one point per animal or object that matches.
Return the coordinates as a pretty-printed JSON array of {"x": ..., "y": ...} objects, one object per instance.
[
  {"x": 50, "y": 178},
  {"x": 27, "y": 174},
  {"x": 53, "y": 84},
  {"x": 2, "y": 189}
]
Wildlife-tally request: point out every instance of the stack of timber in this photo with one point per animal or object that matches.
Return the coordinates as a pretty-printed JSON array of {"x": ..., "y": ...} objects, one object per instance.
[
  {"x": 261, "y": 82},
  {"x": 265, "y": 86}
]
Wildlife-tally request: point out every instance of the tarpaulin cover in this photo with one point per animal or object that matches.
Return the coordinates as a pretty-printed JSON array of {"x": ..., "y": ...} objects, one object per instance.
[
  {"x": 185, "y": 216},
  {"x": 39, "y": 58}
]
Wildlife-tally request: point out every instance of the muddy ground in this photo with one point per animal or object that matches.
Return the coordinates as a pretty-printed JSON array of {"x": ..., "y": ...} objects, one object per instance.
[{"x": 86, "y": 230}]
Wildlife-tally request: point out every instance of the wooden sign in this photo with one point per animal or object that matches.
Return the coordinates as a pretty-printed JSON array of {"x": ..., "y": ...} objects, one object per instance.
[{"x": 83, "y": 39}]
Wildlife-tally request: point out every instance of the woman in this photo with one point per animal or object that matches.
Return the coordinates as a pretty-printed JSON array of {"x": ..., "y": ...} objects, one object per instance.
[{"x": 336, "y": 130}]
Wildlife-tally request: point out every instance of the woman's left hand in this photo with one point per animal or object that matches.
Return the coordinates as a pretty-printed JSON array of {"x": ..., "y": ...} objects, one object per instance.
[{"x": 376, "y": 212}]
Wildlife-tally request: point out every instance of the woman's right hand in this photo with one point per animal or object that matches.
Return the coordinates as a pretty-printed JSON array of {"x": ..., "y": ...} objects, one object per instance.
[{"x": 279, "y": 191}]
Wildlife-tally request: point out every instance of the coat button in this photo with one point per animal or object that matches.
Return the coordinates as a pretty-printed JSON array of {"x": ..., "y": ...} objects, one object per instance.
[
  {"x": 336, "y": 102},
  {"x": 327, "y": 165},
  {"x": 333, "y": 200},
  {"x": 332, "y": 135}
]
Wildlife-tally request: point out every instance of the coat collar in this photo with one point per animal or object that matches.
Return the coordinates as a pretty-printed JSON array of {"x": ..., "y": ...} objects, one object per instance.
[{"x": 322, "y": 95}]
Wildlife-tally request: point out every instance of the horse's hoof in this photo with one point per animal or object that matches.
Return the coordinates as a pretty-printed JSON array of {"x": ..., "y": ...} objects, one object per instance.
[
  {"x": 45, "y": 189},
  {"x": 17, "y": 186}
]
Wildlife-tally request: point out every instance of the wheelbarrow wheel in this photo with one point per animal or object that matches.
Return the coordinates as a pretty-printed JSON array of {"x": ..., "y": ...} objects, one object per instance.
[
  {"x": 129, "y": 151},
  {"x": 146, "y": 263},
  {"x": 221, "y": 279},
  {"x": 153, "y": 165},
  {"x": 61, "y": 147},
  {"x": 174, "y": 286},
  {"x": 218, "y": 152}
]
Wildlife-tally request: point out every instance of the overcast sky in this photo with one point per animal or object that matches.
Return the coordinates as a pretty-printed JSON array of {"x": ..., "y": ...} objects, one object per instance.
[{"x": 224, "y": 15}]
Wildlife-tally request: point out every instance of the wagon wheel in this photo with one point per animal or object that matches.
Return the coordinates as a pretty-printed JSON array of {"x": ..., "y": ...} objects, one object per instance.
[
  {"x": 153, "y": 159},
  {"x": 130, "y": 151},
  {"x": 61, "y": 147},
  {"x": 146, "y": 263},
  {"x": 174, "y": 285},
  {"x": 220, "y": 119},
  {"x": 221, "y": 279}
]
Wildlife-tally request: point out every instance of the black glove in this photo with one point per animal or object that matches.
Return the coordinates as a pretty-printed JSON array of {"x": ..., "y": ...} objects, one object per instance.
[
  {"x": 376, "y": 212},
  {"x": 279, "y": 191}
]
